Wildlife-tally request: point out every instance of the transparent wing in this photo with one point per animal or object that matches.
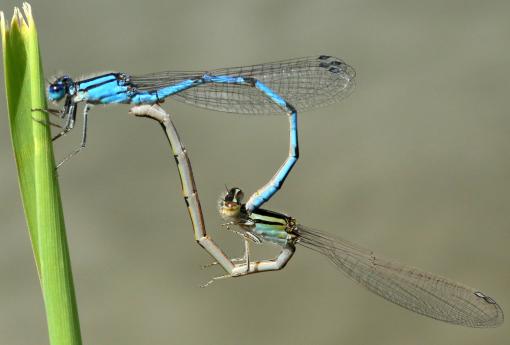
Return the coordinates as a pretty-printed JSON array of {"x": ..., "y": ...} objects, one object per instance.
[
  {"x": 305, "y": 83},
  {"x": 409, "y": 287}
]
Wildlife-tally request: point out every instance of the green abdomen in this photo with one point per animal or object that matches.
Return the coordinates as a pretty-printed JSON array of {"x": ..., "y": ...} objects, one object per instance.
[{"x": 271, "y": 226}]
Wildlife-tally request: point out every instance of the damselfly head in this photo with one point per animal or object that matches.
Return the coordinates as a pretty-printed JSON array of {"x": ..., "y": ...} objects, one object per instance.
[
  {"x": 59, "y": 88},
  {"x": 230, "y": 204}
]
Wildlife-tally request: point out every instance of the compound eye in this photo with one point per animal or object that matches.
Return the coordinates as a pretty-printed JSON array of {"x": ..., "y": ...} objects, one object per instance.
[
  {"x": 234, "y": 195},
  {"x": 56, "y": 91},
  {"x": 239, "y": 196}
]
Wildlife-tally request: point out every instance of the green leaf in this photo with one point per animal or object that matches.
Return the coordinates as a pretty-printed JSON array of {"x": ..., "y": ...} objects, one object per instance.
[{"x": 33, "y": 151}]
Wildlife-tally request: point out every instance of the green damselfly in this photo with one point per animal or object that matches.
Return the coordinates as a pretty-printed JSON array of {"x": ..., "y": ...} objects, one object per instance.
[{"x": 421, "y": 292}]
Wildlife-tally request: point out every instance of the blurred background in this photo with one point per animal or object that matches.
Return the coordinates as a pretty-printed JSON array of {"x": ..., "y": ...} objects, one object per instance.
[{"x": 414, "y": 164}]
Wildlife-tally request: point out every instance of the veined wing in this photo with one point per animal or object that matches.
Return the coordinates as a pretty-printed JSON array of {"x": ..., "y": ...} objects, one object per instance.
[
  {"x": 305, "y": 83},
  {"x": 422, "y": 292}
]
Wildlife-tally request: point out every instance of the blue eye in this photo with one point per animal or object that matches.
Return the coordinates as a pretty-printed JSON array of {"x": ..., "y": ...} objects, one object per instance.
[{"x": 56, "y": 91}]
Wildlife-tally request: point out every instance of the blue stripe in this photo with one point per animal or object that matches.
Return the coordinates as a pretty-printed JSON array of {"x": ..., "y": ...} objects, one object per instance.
[
  {"x": 118, "y": 98},
  {"x": 275, "y": 184},
  {"x": 224, "y": 79},
  {"x": 106, "y": 90},
  {"x": 265, "y": 193},
  {"x": 85, "y": 84},
  {"x": 271, "y": 94},
  {"x": 145, "y": 98},
  {"x": 294, "y": 147},
  {"x": 173, "y": 89},
  {"x": 158, "y": 95}
]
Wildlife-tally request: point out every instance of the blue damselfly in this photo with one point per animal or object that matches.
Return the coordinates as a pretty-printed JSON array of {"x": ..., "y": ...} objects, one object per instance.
[{"x": 284, "y": 87}]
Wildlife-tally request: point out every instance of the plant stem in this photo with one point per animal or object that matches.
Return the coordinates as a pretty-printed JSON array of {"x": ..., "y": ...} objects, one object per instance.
[{"x": 33, "y": 150}]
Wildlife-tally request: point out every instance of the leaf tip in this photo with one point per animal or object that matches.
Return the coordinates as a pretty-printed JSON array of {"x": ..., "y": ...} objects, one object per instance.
[
  {"x": 18, "y": 21},
  {"x": 2, "y": 25},
  {"x": 3, "y": 31},
  {"x": 15, "y": 20},
  {"x": 27, "y": 9}
]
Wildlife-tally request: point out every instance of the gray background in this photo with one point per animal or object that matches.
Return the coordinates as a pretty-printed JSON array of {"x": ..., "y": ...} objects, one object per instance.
[{"x": 414, "y": 165}]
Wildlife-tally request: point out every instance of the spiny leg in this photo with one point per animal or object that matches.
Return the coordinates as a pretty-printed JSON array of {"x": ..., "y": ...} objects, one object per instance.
[
  {"x": 214, "y": 263},
  {"x": 214, "y": 279},
  {"x": 54, "y": 112},
  {"x": 245, "y": 259},
  {"x": 50, "y": 111},
  {"x": 68, "y": 127},
  {"x": 47, "y": 123},
  {"x": 70, "y": 121},
  {"x": 267, "y": 265},
  {"x": 69, "y": 113},
  {"x": 247, "y": 255},
  {"x": 245, "y": 237},
  {"x": 260, "y": 266}
]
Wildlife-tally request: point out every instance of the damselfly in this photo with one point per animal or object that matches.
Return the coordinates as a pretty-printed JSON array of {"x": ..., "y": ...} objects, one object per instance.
[
  {"x": 411, "y": 288},
  {"x": 284, "y": 87},
  {"x": 421, "y": 292}
]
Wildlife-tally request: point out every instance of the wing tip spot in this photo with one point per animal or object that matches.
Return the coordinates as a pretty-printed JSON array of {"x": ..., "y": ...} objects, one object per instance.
[{"x": 485, "y": 297}]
